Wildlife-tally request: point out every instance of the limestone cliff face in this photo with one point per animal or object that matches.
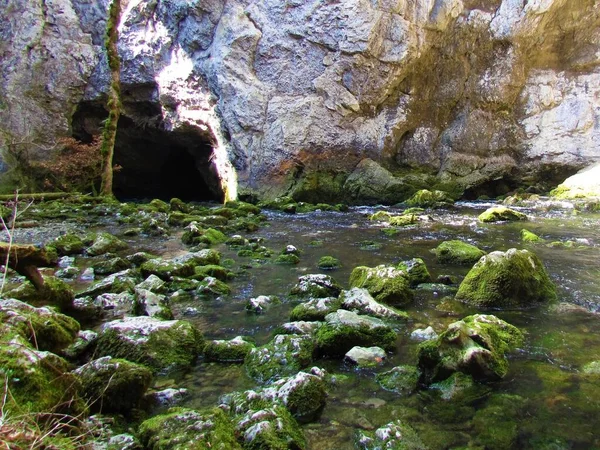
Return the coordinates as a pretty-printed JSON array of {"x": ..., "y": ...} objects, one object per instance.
[{"x": 296, "y": 93}]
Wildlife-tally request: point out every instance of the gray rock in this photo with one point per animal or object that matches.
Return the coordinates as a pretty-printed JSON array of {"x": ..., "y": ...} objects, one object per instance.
[
  {"x": 366, "y": 356},
  {"x": 360, "y": 301},
  {"x": 423, "y": 334}
]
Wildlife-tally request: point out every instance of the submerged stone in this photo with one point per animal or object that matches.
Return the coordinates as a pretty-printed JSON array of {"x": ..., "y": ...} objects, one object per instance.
[
  {"x": 528, "y": 236},
  {"x": 328, "y": 263},
  {"x": 504, "y": 279},
  {"x": 344, "y": 329},
  {"x": 476, "y": 345},
  {"x": 401, "y": 379},
  {"x": 386, "y": 284},
  {"x": 500, "y": 214},
  {"x": 457, "y": 252}
]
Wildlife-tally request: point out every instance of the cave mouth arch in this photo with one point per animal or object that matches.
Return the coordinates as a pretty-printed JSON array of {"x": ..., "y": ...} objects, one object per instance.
[{"x": 154, "y": 163}]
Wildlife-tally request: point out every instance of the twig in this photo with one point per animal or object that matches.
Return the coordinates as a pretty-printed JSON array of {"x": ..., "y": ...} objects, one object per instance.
[{"x": 11, "y": 233}]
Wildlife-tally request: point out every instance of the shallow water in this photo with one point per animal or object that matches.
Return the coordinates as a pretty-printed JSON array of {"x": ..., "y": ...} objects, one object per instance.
[
  {"x": 546, "y": 401},
  {"x": 558, "y": 406}
]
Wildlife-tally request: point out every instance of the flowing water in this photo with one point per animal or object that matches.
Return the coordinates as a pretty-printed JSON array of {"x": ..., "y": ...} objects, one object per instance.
[{"x": 544, "y": 402}]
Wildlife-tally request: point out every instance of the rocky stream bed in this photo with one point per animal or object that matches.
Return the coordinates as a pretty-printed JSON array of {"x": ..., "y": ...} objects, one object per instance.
[{"x": 297, "y": 326}]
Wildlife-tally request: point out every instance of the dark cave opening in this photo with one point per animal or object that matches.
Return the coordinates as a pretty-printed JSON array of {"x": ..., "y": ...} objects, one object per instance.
[{"x": 155, "y": 163}]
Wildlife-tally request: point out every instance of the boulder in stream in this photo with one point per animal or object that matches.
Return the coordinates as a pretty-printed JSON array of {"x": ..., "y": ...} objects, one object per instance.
[
  {"x": 394, "y": 435},
  {"x": 501, "y": 214},
  {"x": 106, "y": 243},
  {"x": 386, "y": 284},
  {"x": 315, "y": 309},
  {"x": 361, "y": 302},
  {"x": 457, "y": 252},
  {"x": 316, "y": 286},
  {"x": 476, "y": 345},
  {"x": 232, "y": 350},
  {"x": 507, "y": 279}
]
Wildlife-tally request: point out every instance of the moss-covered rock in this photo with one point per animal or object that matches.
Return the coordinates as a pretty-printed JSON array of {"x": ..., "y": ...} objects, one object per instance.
[
  {"x": 187, "y": 429},
  {"x": 386, "y": 284},
  {"x": 68, "y": 244},
  {"x": 272, "y": 427},
  {"x": 457, "y": 252},
  {"x": 360, "y": 301},
  {"x": 262, "y": 303},
  {"x": 528, "y": 236},
  {"x": 167, "y": 269},
  {"x": 416, "y": 270},
  {"x": 501, "y": 214},
  {"x": 476, "y": 345},
  {"x": 106, "y": 243},
  {"x": 584, "y": 184},
  {"x": 124, "y": 281},
  {"x": 148, "y": 303},
  {"x": 39, "y": 381},
  {"x": 460, "y": 388},
  {"x": 316, "y": 286},
  {"x": 110, "y": 266},
  {"x": 303, "y": 395},
  {"x": 344, "y": 329},
  {"x": 401, "y": 379},
  {"x": 328, "y": 263},
  {"x": 284, "y": 355},
  {"x": 287, "y": 258},
  {"x": 211, "y": 287},
  {"x": 232, "y": 350},
  {"x": 394, "y": 436},
  {"x": 112, "y": 385},
  {"x": 176, "y": 204},
  {"x": 160, "y": 344},
  {"x": 511, "y": 278},
  {"x": 365, "y": 357},
  {"x": 213, "y": 270},
  {"x": 55, "y": 292},
  {"x": 430, "y": 199},
  {"x": 43, "y": 328},
  {"x": 315, "y": 309}
]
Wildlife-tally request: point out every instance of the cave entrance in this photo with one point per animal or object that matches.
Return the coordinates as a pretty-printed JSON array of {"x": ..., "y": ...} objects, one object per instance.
[{"x": 154, "y": 163}]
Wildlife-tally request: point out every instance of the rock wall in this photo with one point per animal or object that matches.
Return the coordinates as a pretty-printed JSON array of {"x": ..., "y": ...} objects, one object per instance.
[{"x": 483, "y": 95}]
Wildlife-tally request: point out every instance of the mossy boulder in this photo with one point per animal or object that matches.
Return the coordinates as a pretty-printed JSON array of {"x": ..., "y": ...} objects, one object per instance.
[
  {"x": 262, "y": 303},
  {"x": 386, "y": 284},
  {"x": 457, "y": 252},
  {"x": 153, "y": 284},
  {"x": 328, "y": 263},
  {"x": 360, "y": 301},
  {"x": 501, "y": 214},
  {"x": 106, "y": 243},
  {"x": 110, "y": 266},
  {"x": 430, "y": 199},
  {"x": 148, "y": 303},
  {"x": 528, "y": 236},
  {"x": 39, "y": 381},
  {"x": 162, "y": 345},
  {"x": 283, "y": 356},
  {"x": 287, "y": 258},
  {"x": 584, "y": 184},
  {"x": 344, "y": 329},
  {"x": 211, "y": 287},
  {"x": 68, "y": 244},
  {"x": 303, "y": 395},
  {"x": 55, "y": 292},
  {"x": 401, "y": 379},
  {"x": 188, "y": 429},
  {"x": 213, "y": 270},
  {"x": 505, "y": 279},
  {"x": 43, "y": 328},
  {"x": 167, "y": 269},
  {"x": 395, "y": 435},
  {"x": 112, "y": 385},
  {"x": 365, "y": 357},
  {"x": 315, "y": 309},
  {"x": 416, "y": 270},
  {"x": 272, "y": 427},
  {"x": 316, "y": 286},
  {"x": 232, "y": 350},
  {"x": 124, "y": 281},
  {"x": 476, "y": 345}
]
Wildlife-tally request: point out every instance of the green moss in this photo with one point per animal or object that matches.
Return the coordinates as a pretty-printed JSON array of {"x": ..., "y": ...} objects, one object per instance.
[
  {"x": 457, "y": 252},
  {"x": 307, "y": 398},
  {"x": 315, "y": 309},
  {"x": 515, "y": 277},
  {"x": 211, "y": 287},
  {"x": 175, "y": 347},
  {"x": 328, "y": 263},
  {"x": 427, "y": 199},
  {"x": 284, "y": 355},
  {"x": 113, "y": 385},
  {"x": 234, "y": 350},
  {"x": 316, "y": 286},
  {"x": 317, "y": 186},
  {"x": 68, "y": 244},
  {"x": 287, "y": 258},
  {"x": 496, "y": 426},
  {"x": 416, "y": 270},
  {"x": 394, "y": 436},
  {"x": 247, "y": 208},
  {"x": 528, "y": 236},
  {"x": 370, "y": 245},
  {"x": 159, "y": 206},
  {"x": 109, "y": 266},
  {"x": 213, "y": 270},
  {"x": 186, "y": 429},
  {"x": 166, "y": 270},
  {"x": 380, "y": 216},
  {"x": 106, "y": 243},
  {"x": 501, "y": 213},
  {"x": 386, "y": 284}
]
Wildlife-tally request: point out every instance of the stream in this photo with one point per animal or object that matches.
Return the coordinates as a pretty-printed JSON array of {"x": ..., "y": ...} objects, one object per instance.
[{"x": 545, "y": 402}]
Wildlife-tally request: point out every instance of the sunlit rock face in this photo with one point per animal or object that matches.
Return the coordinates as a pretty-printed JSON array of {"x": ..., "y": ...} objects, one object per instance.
[{"x": 485, "y": 93}]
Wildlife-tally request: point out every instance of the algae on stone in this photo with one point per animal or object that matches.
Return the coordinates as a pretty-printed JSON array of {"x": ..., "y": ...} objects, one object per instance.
[
  {"x": 316, "y": 286},
  {"x": 386, "y": 284},
  {"x": 500, "y": 214},
  {"x": 457, "y": 252},
  {"x": 232, "y": 350},
  {"x": 416, "y": 270},
  {"x": 505, "y": 279}
]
